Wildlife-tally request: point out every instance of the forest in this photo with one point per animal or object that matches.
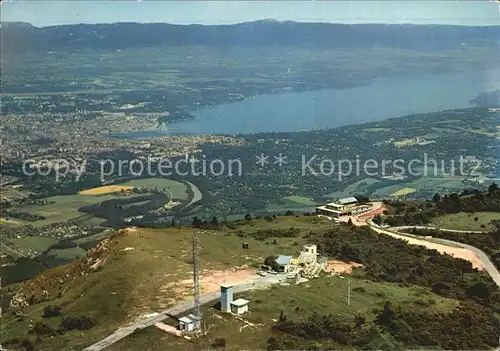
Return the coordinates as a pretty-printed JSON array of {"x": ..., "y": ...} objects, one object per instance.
[{"x": 420, "y": 212}]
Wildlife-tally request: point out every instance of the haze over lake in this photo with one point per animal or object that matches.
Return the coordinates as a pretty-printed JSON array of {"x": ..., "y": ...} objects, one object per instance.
[{"x": 384, "y": 98}]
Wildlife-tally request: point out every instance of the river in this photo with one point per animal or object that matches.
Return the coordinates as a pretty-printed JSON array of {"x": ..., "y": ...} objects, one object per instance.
[{"x": 329, "y": 108}]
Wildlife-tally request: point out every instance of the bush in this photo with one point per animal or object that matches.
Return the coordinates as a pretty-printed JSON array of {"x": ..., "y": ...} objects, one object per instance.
[
  {"x": 27, "y": 345},
  {"x": 51, "y": 311},
  {"x": 79, "y": 323},
  {"x": 40, "y": 328}
]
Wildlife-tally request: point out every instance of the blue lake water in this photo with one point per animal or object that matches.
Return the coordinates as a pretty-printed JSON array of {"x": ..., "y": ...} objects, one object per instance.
[{"x": 384, "y": 98}]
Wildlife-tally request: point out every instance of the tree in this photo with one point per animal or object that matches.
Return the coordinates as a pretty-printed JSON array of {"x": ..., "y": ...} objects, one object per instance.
[
  {"x": 349, "y": 222},
  {"x": 493, "y": 188},
  {"x": 172, "y": 223},
  {"x": 479, "y": 289},
  {"x": 384, "y": 318},
  {"x": 377, "y": 219},
  {"x": 248, "y": 217},
  {"x": 436, "y": 198},
  {"x": 51, "y": 311},
  {"x": 41, "y": 329},
  {"x": 80, "y": 323},
  {"x": 214, "y": 221},
  {"x": 196, "y": 222},
  {"x": 271, "y": 262}
]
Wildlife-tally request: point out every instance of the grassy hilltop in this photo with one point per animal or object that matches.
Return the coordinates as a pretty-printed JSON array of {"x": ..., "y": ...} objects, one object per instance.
[{"x": 142, "y": 270}]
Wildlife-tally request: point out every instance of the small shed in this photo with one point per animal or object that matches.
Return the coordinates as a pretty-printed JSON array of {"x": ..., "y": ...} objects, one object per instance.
[
  {"x": 239, "y": 306},
  {"x": 189, "y": 323},
  {"x": 284, "y": 263}
]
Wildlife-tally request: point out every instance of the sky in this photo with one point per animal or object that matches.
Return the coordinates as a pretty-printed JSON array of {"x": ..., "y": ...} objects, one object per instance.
[{"x": 53, "y": 12}]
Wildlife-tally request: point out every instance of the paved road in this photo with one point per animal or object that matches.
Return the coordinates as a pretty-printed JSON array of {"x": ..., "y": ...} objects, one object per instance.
[
  {"x": 489, "y": 267},
  {"x": 256, "y": 282},
  {"x": 405, "y": 227}
]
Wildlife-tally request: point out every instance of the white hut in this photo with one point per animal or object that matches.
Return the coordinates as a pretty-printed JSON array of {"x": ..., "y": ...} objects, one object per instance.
[{"x": 239, "y": 306}]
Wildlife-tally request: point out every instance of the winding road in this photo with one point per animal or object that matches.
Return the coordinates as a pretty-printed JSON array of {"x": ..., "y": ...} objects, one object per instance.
[{"x": 488, "y": 266}]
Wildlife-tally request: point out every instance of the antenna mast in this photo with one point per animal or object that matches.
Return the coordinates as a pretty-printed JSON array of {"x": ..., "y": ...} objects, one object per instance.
[{"x": 196, "y": 268}]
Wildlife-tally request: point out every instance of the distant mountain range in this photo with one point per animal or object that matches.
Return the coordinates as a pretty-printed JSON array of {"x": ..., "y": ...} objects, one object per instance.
[
  {"x": 20, "y": 37},
  {"x": 487, "y": 99}
]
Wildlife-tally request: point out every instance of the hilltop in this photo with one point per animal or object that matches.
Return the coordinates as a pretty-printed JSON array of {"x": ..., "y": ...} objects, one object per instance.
[{"x": 142, "y": 270}]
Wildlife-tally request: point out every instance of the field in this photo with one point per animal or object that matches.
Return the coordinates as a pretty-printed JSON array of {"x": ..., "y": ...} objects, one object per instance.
[
  {"x": 301, "y": 200},
  {"x": 404, "y": 191},
  {"x": 65, "y": 207},
  {"x": 466, "y": 221},
  {"x": 104, "y": 190},
  {"x": 387, "y": 191},
  {"x": 266, "y": 305},
  {"x": 14, "y": 222},
  {"x": 358, "y": 187},
  {"x": 178, "y": 190},
  {"x": 445, "y": 183},
  {"x": 68, "y": 254},
  {"x": 37, "y": 243}
]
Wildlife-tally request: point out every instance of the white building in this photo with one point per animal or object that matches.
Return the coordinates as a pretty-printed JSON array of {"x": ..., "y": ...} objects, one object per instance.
[
  {"x": 189, "y": 323},
  {"x": 342, "y": 207},
  {"x": 284, "y": 263},
  {"x": 239, "y": 306}
]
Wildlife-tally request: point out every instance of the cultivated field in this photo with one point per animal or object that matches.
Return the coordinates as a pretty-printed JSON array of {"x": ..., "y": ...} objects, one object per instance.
[
  {"x": 358, "y": 187},
  {"x": 177, "y": 189},
  {"x": 105, "y": 189},
  {"x": 37, "y": 243},
  {"x": 65, "y": 207},
  {"x": 404, "y": 191},
  {"x": 13, "y": 222}
]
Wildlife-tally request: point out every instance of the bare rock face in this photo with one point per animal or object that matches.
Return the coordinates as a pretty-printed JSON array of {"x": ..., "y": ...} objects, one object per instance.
[
  {"x": 96, "y": 256},
  {"x": 18, "y": 301}
]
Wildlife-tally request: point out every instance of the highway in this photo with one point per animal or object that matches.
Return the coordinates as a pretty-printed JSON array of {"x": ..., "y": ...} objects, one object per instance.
[{"x": 253, "y": 283}]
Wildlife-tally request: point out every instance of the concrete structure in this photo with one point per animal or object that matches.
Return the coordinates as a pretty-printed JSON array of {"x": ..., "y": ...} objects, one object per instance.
[
  {"x": 239, "y": 306},
  {"x": 342, "y": 207},
  {"x": 284, "y": 263},
  {"x": 226, "y": 297},
  {"x": 308, "y": 255},
  {"x": 189, "y": 323}
]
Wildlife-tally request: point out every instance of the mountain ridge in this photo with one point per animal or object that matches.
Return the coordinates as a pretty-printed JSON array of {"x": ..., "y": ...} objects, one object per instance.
[{"x": 23, "y": 37}]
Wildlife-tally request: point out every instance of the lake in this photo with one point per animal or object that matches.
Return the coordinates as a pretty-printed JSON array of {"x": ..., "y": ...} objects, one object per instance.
[{"x": 329, "y": 108}]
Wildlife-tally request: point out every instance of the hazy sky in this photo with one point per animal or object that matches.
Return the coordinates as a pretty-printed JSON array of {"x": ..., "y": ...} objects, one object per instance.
[{"x": 44, "y": 13}]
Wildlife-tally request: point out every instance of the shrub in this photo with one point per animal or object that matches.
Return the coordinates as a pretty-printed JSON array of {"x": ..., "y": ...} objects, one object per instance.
[
  {"x": 51, "y": 311},
  {"x": 40, "y": 328},
  {"x": 79, "y": 323},
  {"x": 359, "y": 289}
]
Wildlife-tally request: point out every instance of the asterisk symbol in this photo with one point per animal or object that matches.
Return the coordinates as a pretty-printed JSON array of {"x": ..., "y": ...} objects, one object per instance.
[
  {"x": 262, "y": 160},
  {"x": 280, "y": 160}
]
